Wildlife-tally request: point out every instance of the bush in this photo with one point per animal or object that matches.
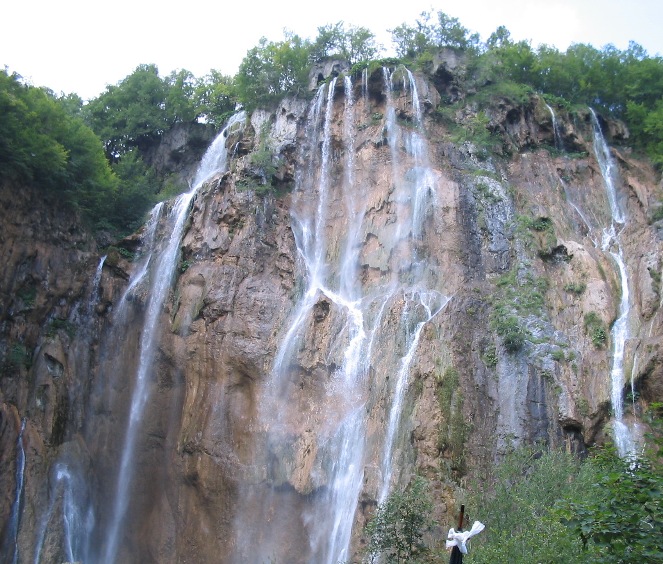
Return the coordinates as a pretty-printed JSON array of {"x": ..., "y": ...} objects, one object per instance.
[
  {"x": 43, "y": 145},
  {"x": 397, "y": 529},
  {"x": 516, "y": 502},
  {"x": 596, "y": 330},
  {"x": 622, "y": 509}
]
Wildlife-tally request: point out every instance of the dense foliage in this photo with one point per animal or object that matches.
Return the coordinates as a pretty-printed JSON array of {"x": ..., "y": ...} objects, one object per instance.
[
  {"x": 620, "y": 516},
  {"x": 395, "y": 533},
  {"x": 515, "y": 502},
  {"x": 538, "y": 505},
  {"x": 43, "y": 145},
  {"x": 271, "y": 70},
  {"x": 551, "y": 507}
]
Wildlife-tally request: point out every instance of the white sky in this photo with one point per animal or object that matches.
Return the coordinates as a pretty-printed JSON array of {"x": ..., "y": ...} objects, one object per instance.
[{"x": 83, "y": 45}]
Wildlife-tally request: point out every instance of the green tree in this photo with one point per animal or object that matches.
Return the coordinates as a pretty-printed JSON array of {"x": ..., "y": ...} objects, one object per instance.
[
  {"x": 619, "y": 519},
  {"x": 271, "y": 70},
  {"x": 449, "y": 32},
  {"x": 43, "y": 145},
  {"x": 354, "y": 44},
  {"x": 180, "y": 102},
  {"x": 131, "y": 113},
  {"x": 136, "y": 193},
  {"x": 413, "y": 41},
  {"x": 398, "y": 526},
  {"x": 28, "y": 151},
  {"x": 431, "y": 32},
  {"x": 216, "y": 97},
  {"x": 516, "y": 501},
  {"x": 505, "y": 59}
]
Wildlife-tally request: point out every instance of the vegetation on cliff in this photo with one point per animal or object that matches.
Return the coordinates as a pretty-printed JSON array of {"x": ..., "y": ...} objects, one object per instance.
[
  {"x": 47, "y": 139},
  {"x": 552, "y": 507},
  {"x": 41, "y": 144}
]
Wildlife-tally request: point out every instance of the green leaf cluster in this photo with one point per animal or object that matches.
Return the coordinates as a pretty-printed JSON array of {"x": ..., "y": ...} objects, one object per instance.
[
  {"x": 395, "y": 533},
  {"x": 628, "y": 84},
  {"x": 354, "y": 44},
  {"x": 535, "y": 498},
  {"x": 596, "y": 329},
  {"x": 619, "y": 517},
  {"x": 430, "y": 32},
  {"x": 515, "y": 502},
  {"x": 42, "y": 144},
  {"x": 516, "y": 297},
  {"x": 272, "y": 70}
]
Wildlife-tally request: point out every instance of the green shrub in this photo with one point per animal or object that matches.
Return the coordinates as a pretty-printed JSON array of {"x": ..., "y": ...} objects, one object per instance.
[
  {"x": 56, "y": 324},
  {"x": 617, "y": 517},
  {"x": 18, "y": 356},
  {"x": 596, "y": 330},
  {"x": 516, "y": 297},
  {"x": 508, "y": 327},
  {"x": 515, "y": 502},
  {"x": 395, "y": 533},
  {"x": 490, "y": 357},
  {"x": 575, "y": 288}
]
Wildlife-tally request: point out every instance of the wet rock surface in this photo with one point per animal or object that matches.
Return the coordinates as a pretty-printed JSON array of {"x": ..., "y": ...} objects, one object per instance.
[{"x": 518, "y": 234}]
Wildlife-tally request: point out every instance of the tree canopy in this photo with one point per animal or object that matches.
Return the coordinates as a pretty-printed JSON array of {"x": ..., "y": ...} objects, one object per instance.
[
  {"x": 42, "y": 144},
  {"x": 271, "y": 70}
]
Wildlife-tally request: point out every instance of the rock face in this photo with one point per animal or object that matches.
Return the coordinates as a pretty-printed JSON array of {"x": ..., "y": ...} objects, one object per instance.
[{"x": 395, "y": 303}]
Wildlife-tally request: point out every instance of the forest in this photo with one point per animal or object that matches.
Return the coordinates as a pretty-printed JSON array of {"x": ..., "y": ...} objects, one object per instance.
[{"x": 90, "y": 153}]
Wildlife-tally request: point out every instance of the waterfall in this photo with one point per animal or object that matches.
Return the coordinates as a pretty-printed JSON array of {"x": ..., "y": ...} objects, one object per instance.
[
  {"x": 66, "y": 477},
  {"x": 94, "y": 292},
  {"x": 422, "y": 302},
  {"x": 431, "y": 303},
  {"x": 608, "y": 170},
  {"x": 161, "y": 265},
  {"x": 330, "y": 225},
  {"x": 328, "y": 519},
  {"x": 77, "y": 520},
  {"x": 559, "y": 144},
  {"x": 620, "y": 330},
  {"x": 10, "y": 544}
]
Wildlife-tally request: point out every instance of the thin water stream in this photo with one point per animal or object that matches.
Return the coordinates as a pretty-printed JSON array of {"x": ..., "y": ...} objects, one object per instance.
[
  {"x": 620, "y": 329},
  {"x": 160, "y": 264}
]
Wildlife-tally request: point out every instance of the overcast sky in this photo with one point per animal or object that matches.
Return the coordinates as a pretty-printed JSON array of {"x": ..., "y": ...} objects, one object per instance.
[{"x": 82, "y": 45}]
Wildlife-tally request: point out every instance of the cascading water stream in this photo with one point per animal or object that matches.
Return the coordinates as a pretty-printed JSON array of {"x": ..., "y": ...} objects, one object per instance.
[
  {"x": 11, "y": 530},
  {"x": 431, "y": 303},
  {"x": 620, "y": 329},
  {"x": 330, "y": 224},
  {"x": 329, "y": 520},
  {"x": 623, "y": 437},
  {"x": 77, "y": 517},
  {"x": 161, "y": 266},
  {"x": 559, "y": 144},
  {"x": 417, "y": 191},
  {"x": 608, "y": 170}
]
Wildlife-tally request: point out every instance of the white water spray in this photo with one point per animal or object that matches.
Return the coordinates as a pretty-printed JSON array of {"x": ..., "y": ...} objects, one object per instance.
[
  {"x": 431, "y": 303},
  {"x": 620, "y": 330},
  {"x": 331, "y": 224},
  {"x": 11, "y": 529},
  {"x": 559, "y": 144},
  {"x": 161, "y": 264}
]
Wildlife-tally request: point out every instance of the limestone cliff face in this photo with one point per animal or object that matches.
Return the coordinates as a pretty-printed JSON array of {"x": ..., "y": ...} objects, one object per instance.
[{"x": 498, "y": 284}]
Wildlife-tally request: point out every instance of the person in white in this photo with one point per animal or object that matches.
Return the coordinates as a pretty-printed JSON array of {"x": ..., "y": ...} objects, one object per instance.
[{"x": 460, "y": 538}]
